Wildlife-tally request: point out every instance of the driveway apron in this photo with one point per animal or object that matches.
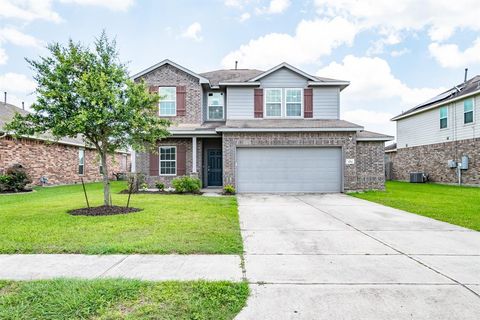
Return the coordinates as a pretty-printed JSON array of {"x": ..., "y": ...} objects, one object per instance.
[{"x": 332, "y": 256}]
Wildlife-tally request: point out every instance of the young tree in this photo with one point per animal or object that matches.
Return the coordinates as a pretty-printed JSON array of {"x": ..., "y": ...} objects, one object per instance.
[{"x": 88, "y": 92}]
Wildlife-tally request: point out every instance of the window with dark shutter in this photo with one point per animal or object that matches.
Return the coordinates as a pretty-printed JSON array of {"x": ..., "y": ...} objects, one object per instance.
[
  {"x": 308, "y": 103},
  {"x": 181, "y": 100},
  {"x": 258, "y": 103}
]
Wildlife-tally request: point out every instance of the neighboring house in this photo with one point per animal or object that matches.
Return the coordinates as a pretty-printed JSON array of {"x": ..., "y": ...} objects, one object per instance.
[
  {"x": 61, "y": 162},
  {"x": 447, "y": 127},
  {"x": 260, "y": 131}
]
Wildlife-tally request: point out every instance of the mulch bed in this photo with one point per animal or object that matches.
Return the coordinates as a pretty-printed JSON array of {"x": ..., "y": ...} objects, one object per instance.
[
  {"x": 102, "y": 211},
  {"x": 17, "y": 192}
]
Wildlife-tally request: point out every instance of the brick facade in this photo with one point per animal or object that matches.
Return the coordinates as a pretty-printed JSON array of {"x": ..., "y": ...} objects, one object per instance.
[
  {"x": 57, "y": 162},
  {"x": 169, "y": 76},
  {"x": 366, "y": 173},
  {"x": 433, "y": 159},
  {"x": 143, "y": 165}
]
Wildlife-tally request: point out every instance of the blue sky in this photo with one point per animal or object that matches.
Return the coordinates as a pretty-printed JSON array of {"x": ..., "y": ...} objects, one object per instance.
[{"x": 395, "y": 55}]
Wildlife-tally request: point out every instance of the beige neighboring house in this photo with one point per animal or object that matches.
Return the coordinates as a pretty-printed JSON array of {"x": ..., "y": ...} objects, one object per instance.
[
  {"x": 61, "y": 162},
  {"x": 261, "y": 131}
]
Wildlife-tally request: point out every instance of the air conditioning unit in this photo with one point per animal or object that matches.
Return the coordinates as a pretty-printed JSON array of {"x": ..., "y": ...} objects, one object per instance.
[{"x": 418, "y": 177}]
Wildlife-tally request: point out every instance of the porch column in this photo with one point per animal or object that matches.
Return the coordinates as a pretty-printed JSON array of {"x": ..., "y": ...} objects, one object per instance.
[{"x": 194, "y": 154}]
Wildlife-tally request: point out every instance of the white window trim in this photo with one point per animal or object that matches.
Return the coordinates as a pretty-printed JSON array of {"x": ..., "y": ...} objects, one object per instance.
[
  {"x": 223, "y": 108},
  {"x": 301, "y": 103},
  {"x": 440, "y": 118},
  {"x": 82, "y": 164},
  {"x": 174, "y": 100},
  {"x": 265, "y": 103},
  {"x": 160, "y": 161},
  {"x": 473, "y": 112}
]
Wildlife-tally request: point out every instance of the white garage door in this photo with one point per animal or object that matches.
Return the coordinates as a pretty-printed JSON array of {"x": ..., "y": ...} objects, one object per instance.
[{"x": 289, "y": 169}]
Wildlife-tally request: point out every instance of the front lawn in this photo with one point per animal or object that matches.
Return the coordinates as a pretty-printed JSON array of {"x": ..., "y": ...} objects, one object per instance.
[
  {"x": 453, "y": 204},
  {"x": 38, "y": 223},
  {"x": 120, "y": 299}
]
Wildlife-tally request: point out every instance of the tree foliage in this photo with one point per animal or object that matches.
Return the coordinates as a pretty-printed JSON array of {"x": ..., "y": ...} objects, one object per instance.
[{"x": 87, "y": 92}]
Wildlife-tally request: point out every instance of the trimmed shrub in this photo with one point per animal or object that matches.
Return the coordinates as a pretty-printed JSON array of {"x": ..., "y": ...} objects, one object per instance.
[
  {"x": 160, "y": 186},
  {"x": 229, "y": 189},
  {"x": 15, "y": 179},
  {"x": 186, "y": 184}
]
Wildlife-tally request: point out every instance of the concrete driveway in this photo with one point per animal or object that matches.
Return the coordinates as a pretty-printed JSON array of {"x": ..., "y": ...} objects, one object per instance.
[{"x": 337, "y": 257}]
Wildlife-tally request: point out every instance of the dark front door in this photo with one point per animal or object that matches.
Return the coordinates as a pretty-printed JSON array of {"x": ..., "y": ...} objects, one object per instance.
[{"x": 214, "y": 167}]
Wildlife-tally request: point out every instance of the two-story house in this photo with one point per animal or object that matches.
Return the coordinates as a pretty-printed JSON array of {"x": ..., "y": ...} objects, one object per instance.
[
  {"x": 435, "y": 136},
  {"x": 260, "y": 131}
]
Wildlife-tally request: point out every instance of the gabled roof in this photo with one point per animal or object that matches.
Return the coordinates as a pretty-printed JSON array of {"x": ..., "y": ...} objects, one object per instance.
[
  {"x": 296, "y": 70},
  {"x": 166, "y": 61},
  {"x": 230, "y": 75},
  {"x": 460, "y": 91}
]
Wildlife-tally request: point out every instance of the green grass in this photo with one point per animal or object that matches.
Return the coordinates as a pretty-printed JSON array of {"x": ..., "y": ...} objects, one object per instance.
[
  {"x": 38, "y": 223},
  {"x": 453, "y": 204},
  {"x": 120, "y": 299}
]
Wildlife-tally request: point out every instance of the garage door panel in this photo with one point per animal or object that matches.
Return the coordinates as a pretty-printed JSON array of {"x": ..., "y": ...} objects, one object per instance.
[{"x": 295, "y": 169}]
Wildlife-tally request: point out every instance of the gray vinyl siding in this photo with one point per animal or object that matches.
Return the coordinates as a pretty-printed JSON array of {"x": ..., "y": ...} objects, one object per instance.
[
  {"x": 283, "y": 78},
  {"x": 424, "y": 128},
  {"x": 326, "y": 103},
  {"x": 239, "y": 103}
]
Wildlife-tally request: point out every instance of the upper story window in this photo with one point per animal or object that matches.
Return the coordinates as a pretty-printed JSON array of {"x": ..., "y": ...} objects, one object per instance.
[
  {"x": 468, "y": 111},
  {"x": 215, "y": 106},
  {"x": 273, "y": 102},
  {"x": 168, "y": 161},
  {"x": 443, "y": 117},
  {"x": 168, "y": 101},
  {"x": 293, "y": 103},
  {"x": 81, "y": 161}
]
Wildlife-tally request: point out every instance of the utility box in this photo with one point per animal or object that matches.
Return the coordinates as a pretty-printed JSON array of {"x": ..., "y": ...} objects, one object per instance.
[
  {"x": 452, "y": 163},
  {"x": 418, "y": 177},
  {"x": 464, "y": 163}
]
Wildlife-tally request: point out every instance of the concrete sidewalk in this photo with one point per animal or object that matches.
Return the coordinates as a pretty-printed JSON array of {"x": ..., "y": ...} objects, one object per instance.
[{"x": 143, "y": 267}]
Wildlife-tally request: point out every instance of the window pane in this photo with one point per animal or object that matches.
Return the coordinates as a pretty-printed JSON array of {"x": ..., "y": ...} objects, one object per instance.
[
  {"x": 274, "y": 109},
  {"x": 468, "y": 117},
  {"x": 81, "y": 156},
  {"x": 168, "y": 108},
  {"x": 294, "y": 109},
  {"x": 215, "y": 112},
  {"x": 274, "y": 95},
  {"x": 167, "y": 93},
  {"x": 443, "y": 112},
  {"x": 167, "y": 160},
  {"x": 294, "y": 95},
  {"x": 215, "y": 99},
  {"x": 468, "y": 105},
  {"x": 443, "y": 123},
  {"x": 80, "y": 169}
]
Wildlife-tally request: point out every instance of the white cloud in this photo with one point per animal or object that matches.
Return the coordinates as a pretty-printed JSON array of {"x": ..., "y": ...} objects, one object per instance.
[
  {"x": 312, "y": 40},
  {"x": 450, "y": 56},
  {"x": 244, "y": 17},
  {"x": 441, "y": 18},
  {"x": 193, "y": 32},
  {"x": 374, "y": 94},
  {"x": 16, "y": 82},
  {"x": 399, "y": 53},
  {"x": 274, "y": 7},
  {"x": 114, "y": 5},
  {"x": 3, "y": 56},
  {"x": 29, "y": 10},
  {"x": 18, "y": 38}
]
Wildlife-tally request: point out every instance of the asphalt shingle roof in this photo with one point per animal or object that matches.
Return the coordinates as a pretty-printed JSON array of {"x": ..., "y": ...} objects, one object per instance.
[{"x": 230, "y": 75}]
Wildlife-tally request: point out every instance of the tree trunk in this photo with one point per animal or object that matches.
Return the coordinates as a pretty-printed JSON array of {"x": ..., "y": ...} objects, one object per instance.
[{"x": 106, "y": 182}]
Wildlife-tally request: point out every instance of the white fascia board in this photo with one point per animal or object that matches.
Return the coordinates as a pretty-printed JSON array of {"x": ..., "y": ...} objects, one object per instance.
[
  {"x": 283, "y": 65},
  {"x": 386, "y": 138},
  {"x": 176, "y": 65},
  {"x": 286, "y": 129},
  {"x": 433, "y": 106},
  {"x": 328, "y": 83},
  {"x": 239, "y": 84},
  {"x": 177, "y": 133}
]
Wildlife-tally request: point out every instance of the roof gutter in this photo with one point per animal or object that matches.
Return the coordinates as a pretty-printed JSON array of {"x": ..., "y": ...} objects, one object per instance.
[
  {"x": 287, "y": 129},
  {"x": 250, "y": 84},
  {"x": 401, "y": 116},
  {"x": 386, "y": 138}
]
